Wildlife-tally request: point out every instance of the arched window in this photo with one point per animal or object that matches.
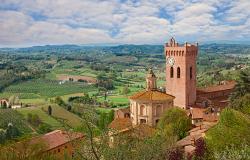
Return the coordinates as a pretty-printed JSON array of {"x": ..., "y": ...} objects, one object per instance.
[
  {"x": 191, "y": 72},
  {"x": 142, "y": 110},
  {"x": 178, "y": 72},
  {"x": 171, "y": 72},
  {"x": 158, "y": 110}
]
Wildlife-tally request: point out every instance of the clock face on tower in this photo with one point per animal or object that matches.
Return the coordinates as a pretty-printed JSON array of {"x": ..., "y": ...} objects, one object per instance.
[{"x": 171, "y": 61}]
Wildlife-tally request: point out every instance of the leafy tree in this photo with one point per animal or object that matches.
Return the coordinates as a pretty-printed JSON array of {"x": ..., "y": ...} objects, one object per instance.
[
  {"x": 49, "y": 110},
  {"x": 243, "y": 85},
  {"x": 242, "y": 104},
  {"x": 125, "y": 90},
  {"x": 2, "y": 136},
  {"x": 86, "y": 99},
  {"x": 104, "y": 81},
  {"x": 126, "y": 146},
  {"x": 4, "y": 106},
  {"x": 44, "y": 128},
  {"x": 69, "y": 107},
  {"x": 232, "y": 129},
  {"x": 200, "y": 149},
  {"x": 176, "y": 154},
  {"x": 60, "y": 102},
  {"x": 12, "y": 131},
  {"x": 112, "y": 76},
  {"x": 34, "y": 119},
  {"x": 176, "y": 121},
  {"x": 233, "y": 153},
  {"x": 29, "y": 117}
]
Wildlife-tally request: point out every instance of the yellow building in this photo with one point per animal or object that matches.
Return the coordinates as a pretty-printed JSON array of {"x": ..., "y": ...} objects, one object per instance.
[{"x": 146, "y": 107}]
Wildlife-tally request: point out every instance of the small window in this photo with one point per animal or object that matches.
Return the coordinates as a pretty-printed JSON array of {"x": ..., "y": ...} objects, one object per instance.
[
  {"x": 171, "y": 72},
  {"x": 126, "y": 115},
  {"x": 178, "y": 72},
  {"x": 156, "y": 121},
  {"x": 58, "y": 150},
  {"x": 143, "y": 121},
  {"x": 191, "y": 72}
]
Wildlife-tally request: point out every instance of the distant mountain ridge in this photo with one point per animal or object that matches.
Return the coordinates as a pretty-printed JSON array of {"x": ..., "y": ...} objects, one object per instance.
[{"x": 127, "y": 49}]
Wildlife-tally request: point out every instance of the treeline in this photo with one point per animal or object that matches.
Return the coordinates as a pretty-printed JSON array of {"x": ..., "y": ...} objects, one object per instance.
[
  {"x": 125, "y": 49},
  {"x": 14, "y": 73}
]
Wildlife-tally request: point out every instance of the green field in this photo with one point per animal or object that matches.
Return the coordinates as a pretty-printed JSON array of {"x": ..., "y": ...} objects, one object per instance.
[
  {"x": 12, "y": 116},
  {"x": 116, "y": 99},
  {"x": 59, "y": 115},
  {"x": 63, "y": 115},
  {"x": 38, "y": 89},
  {"x": 42, "y": 115}
]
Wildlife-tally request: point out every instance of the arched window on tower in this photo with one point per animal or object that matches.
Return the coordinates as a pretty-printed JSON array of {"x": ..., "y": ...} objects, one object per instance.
[
  {"x": 171, "y": 72},
  {"x": 178, "y": 72},
  {"x": 191, "y": 72}
]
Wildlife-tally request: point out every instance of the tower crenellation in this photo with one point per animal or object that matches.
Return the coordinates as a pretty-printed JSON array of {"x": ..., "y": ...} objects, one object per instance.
[{"x": 181, "y": 72}]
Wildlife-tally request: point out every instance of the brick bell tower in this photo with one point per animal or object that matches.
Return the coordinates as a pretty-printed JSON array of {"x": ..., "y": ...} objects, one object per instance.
[{"x": 181, "y": 72}]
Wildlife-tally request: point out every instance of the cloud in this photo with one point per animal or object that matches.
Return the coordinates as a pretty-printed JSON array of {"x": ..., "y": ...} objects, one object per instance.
[{"x": 114, "y": 21}]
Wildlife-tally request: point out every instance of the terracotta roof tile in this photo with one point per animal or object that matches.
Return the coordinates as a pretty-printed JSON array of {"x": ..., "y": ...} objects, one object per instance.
[
  {"x": 197, "y": 113},
  {"x": 56, "y": 138},
  {"x": 151, "y": 95},
  {"x": 212, "y": 117},
  {"x": 228, "y": 85},
  {"x": 120, "y": 124},
  {"x": 143, "y": 130},
  {"x": 123, "y": 110}
]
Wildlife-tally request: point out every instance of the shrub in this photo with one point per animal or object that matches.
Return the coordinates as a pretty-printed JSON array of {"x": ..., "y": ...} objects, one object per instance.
[
  {"x": 49, "y": 110},
  {"x": 44, "y": 128},
  {"x": 12, "y": 131},
  {"x": 176, "y": 121}
]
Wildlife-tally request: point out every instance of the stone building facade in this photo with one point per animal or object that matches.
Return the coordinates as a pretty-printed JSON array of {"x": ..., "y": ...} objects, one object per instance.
[
  {"x": 146, "y": 107},
  {"x": 181, "y": 72}
]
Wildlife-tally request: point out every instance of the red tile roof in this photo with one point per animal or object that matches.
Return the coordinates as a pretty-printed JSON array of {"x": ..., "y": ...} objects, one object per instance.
[
  {"x": 228, "y": 85},
  {"x": 212, "y": 117},
  {"x": 197, "y": 113},
  {"x": 57, "y": 138},
  {"x": 151, "y": 95},
  {"x": 120, "y": 124},
  {"x": 200, "y": 113}
]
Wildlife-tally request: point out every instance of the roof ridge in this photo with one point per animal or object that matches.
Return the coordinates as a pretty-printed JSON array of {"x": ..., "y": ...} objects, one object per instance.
[{"x": 151, "y": 95}]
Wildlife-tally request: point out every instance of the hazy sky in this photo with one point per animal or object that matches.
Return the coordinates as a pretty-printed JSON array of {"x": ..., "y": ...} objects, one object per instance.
[{"x": 38, "y": 22}]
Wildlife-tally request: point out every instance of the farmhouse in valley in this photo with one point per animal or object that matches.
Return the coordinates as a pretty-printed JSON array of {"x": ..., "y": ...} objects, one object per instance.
[{"x": 59, "y": 143}]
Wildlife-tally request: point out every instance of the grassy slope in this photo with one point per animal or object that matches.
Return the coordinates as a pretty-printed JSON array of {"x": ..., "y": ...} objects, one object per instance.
[
  {"x": 232, "y": 129},
  {"x": 58, "y": 112},
  {"x": 12, "y": 116},
  {"x": 42, "y": 115}
]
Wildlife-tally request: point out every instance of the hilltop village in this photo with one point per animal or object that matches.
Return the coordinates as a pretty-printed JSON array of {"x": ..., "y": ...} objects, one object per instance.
[
  {"x": 202, "y": 105},
  {"x": 140, "y": 119}
]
